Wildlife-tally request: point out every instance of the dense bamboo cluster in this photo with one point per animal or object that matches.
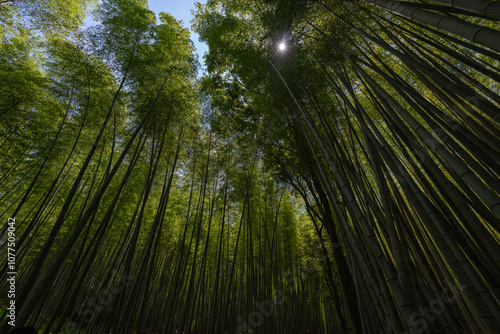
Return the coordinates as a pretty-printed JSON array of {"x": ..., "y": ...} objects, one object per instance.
[
  {"x": 392, "y": 110},
  {"x": 130, "y": 216},
  {"x": 346, "y": 182}
]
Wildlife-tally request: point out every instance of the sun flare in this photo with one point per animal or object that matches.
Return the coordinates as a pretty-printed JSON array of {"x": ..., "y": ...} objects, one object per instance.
[{"x": 282, "y": 47}]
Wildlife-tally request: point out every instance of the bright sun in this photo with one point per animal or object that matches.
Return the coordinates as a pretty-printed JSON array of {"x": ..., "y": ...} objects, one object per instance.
[{"x": 282, "y": 46}]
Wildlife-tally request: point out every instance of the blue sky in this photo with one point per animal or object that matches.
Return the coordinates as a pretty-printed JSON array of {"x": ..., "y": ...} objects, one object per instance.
[{"x": 181, "y": 10}]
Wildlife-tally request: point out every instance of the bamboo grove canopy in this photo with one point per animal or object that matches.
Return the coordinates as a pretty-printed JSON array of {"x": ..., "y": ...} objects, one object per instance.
[{"x": 334, "y": 169}]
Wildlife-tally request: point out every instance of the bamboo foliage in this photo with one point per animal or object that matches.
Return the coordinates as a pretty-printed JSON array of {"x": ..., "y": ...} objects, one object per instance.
[{"x": 348, "y": 183}]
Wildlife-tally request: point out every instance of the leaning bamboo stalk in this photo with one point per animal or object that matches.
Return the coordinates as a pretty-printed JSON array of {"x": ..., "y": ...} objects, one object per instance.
[
  {"x": 407, "y": 182},
  {"x": 490, "y": 199},
  {"x": 458, "y": 27},
  {"x": 487, "y": 8}
]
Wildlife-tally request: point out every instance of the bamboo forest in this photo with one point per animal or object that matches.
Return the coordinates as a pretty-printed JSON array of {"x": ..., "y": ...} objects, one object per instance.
[{"x": 327, "y": 166}]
